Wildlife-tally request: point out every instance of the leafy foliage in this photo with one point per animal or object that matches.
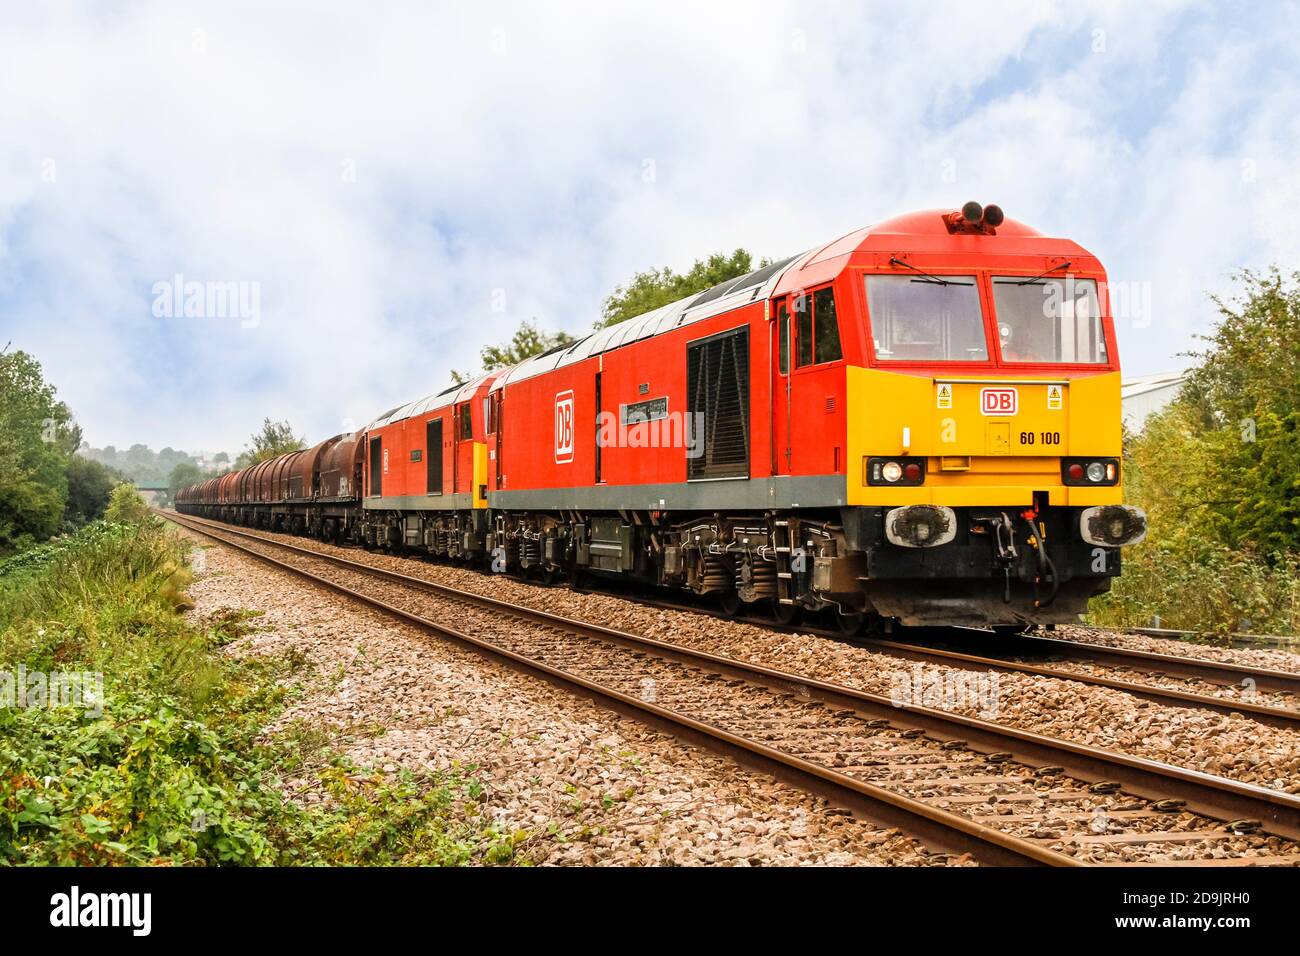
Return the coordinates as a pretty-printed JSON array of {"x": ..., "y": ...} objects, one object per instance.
[
  {"x": 89, "y": 486},
  {"x": 178, "y": 767},
  {"x": 649, "y": 290},
  {"x": 1218, "y": 473},
  {"x": 141, "y": 464},
  {"x": 644, "y": 292},
  {"x": 185, "y": 473},
  {"x": 527, "y": 341},
  {"x": 37, "y": 438},
  {"x": 125, "y": 506},
  {"x": 271, "y": 441}
]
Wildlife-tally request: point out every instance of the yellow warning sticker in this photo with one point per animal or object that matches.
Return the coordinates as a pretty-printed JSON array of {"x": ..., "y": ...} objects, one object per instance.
[
  {"x": 1053, "y": 398},
  {"x": 945, "y": 396}
]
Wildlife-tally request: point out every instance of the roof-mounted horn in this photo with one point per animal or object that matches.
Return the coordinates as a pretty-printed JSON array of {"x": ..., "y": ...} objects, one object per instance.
[{"x": 974, "y": 220}]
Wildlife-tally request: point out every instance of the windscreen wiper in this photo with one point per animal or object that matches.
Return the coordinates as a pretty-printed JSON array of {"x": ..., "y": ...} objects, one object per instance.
[
  {"x": 1063, "y": 265},
  {"x": 894, "y": 261}
]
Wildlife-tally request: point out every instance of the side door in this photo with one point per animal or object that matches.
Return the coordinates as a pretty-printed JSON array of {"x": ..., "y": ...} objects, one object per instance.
[
  {"x": 433, "y": 455},
  {"x": 463, "y": 423},
  {"x": 378, "y": 465},
  {"x": 781, "y": 332},
  {"x": 815, "y": 409},
  {"x": 492, "y": 407}
]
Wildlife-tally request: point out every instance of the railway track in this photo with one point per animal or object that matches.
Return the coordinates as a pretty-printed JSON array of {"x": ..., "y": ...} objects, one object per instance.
[
  {"x": 962, "y": 784},
  {"x": 1275, "y": 716},
  {"x": 1025, "y": 655}
]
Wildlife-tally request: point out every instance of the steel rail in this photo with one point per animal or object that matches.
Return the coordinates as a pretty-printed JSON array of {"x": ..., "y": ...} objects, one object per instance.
[
  {"x": 1275, "y": 680},
  {"x": 1208, "y": 795},
  {"x": 940, "y": 828},
  {"x": 1216, "y": 672}
]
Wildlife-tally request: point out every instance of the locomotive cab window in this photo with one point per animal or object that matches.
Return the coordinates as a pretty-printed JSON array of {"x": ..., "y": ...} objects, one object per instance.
[
  {"x": 464, "y": 424},
  {"x": 926, "y": 318},
  {"x": 817, "y": 332},
  {"x": 1049, "y": 320}
]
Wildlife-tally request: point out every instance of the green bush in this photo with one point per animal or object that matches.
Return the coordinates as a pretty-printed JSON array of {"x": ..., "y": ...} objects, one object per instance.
[
  {"x": 90, "y": 486},
  {"x": 126, "y": 505},
  {"x": 1218, "y": 473},
  {"x": 176, "y": 767},
  {"x": 1216, "y": 591}
]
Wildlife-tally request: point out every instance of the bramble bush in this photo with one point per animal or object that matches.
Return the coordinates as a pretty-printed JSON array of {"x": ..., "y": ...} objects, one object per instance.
[{"x": 178, "y": 768}]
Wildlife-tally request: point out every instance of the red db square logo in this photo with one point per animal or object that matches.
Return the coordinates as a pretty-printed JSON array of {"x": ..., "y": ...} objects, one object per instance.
[
  {"x": 564, "y": 428},
  {"x": 998, "y": 401}
]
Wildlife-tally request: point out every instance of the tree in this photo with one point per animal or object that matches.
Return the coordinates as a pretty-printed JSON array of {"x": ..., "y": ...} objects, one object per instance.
[
  {"x": 141, "y": 463},
  {"x": 527, "y": 341},
  {"x": 126, "y": 506},
  {"x": 645, "y": 292},
  {"x": 273, "y": 440},
  {"x": 1218, "y": 473},
  {"x": 37, "y": 437},
  {"x": 1252, "y": 361},
  {"x": 1244, "y": 396},
  {"x": 649, "y": 290},
  {"x": 89, "y": 486},
  {"x": 185, "y": 473}
]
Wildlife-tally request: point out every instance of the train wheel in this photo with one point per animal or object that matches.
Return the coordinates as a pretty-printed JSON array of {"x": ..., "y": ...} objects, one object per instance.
[
  {"x": 730, "y": 603},
  {"x": 850, "y": 623},
  {"x": 788, "y": 614}
]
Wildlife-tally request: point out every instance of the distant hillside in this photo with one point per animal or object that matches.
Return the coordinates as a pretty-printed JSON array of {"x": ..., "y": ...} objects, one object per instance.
[{"x": 140, "y": 463}]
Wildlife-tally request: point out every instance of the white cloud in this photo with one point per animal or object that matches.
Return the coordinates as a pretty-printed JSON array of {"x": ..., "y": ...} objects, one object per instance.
[{"x": 380, "y": 172}]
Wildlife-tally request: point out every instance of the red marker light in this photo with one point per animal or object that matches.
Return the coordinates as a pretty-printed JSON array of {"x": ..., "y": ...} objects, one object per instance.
[
  {"x": 1075, "y": 471},
  {"x": 912, "y": 471}
]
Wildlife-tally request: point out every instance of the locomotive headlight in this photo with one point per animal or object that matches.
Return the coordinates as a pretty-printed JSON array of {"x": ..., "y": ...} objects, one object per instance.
[
  {"x": 902, "y": 471},
  {"x": 1096, "y": 472}
]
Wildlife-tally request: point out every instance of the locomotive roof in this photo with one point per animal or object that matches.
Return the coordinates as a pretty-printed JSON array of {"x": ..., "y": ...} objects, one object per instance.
[
  {"x": 925, "y": 231},
  {"x": 751, "y": 287}
]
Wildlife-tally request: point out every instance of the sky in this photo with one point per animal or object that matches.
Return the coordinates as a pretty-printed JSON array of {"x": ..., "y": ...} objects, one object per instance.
[{"x": 382, "y": 189}]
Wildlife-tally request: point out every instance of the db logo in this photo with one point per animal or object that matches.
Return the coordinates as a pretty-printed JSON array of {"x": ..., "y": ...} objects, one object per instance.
[
  {"x": 564, "y": 428},
  {"x": 998, "y": 401}
]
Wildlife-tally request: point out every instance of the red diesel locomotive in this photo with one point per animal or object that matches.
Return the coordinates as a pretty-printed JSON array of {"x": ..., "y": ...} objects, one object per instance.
[{"x": 919, "y": 421}]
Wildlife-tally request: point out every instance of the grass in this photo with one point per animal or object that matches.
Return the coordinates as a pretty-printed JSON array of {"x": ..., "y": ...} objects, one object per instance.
[
  {"x": 1211, "y": 591},
  {"x": 176, "y": 768}
]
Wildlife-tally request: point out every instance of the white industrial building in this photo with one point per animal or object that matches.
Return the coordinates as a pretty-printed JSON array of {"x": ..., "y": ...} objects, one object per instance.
[{"x": 1144, "y": 394}]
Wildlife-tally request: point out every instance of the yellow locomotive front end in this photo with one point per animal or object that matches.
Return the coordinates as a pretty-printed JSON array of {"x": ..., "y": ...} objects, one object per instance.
[
  {"x": 992, "y": 500},
  {"x": 984, "y": 480}
]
